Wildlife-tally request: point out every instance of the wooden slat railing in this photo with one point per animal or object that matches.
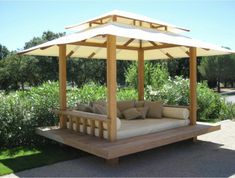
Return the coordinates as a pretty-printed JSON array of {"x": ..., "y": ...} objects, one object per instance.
[{"x": 84, "y": 122}]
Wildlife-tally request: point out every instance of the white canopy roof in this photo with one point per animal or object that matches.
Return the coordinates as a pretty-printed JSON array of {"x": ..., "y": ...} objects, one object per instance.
[
  {"x": 127, "y": 18},
  {"x": 158, "y": 44}
]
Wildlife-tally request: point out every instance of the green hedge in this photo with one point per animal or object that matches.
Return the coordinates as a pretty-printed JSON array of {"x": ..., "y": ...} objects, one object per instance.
[
  {"x": 22, "y": 111},
  {"x": 211, "y": 106}
]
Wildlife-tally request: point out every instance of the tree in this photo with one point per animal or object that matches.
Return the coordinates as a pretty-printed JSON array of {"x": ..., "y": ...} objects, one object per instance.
[
  {"x": 3, "y": 52},
  {"x": 17, "y": 70},
  {"x": 47, "y": 67},
  {"x": 218, "y": 69}
]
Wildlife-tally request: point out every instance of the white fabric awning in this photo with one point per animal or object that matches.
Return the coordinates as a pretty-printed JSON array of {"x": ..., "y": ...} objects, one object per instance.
[{"x": 90, "y": 43}]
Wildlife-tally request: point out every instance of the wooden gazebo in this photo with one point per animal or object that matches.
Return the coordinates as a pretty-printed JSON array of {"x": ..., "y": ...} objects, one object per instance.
[{"x": 122, "y": 36}]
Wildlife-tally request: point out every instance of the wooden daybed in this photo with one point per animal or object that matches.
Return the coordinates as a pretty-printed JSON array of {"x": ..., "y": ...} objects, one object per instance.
[
  {"x": 122, "y": 36},
  {"x": 83, "y": 128}
]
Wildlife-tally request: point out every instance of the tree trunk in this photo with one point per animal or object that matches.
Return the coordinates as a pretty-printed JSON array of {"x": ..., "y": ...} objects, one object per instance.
[
  {"x": 22, "y": 85},
  {"x": 218, "y": 86}
]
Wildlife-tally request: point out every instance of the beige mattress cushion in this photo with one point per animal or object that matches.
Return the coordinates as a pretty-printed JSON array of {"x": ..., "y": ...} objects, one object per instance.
[{"x": 131, "y": 128}]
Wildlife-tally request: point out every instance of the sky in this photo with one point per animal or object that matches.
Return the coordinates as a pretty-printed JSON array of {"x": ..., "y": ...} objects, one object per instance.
[{"x": 211, "y": 21}]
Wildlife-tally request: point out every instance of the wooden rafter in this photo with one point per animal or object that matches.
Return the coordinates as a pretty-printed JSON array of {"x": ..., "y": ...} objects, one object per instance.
[
  {"x": 91, "y": 55},
  {"x": 153, "y": 43},
  {"x": 160, "y": 46},
  {"x": 72, "y": 52},
  {"x": 141, "y": 43},
  {"x": 185, "y": 51},
  {"x": 167, "y": 54},
  {"x": 206, "y": 49},
  {"x": 102, "y": 45},
  {"x": 128, "y": 42},
  {"x": 42, "y": 48}
]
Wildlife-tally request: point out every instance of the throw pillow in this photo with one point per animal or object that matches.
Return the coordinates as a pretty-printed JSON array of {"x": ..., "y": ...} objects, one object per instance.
[
  {"x": 143, "y": 111},
  {"x": 99, "y": 109},
  {"x": 155, "y": 109},
  {"x": 139, "y": 104},
  {"x": 83, "y": 107},
  {"x": 132, "y": 113},
  {"x": 124, "y": 105}
]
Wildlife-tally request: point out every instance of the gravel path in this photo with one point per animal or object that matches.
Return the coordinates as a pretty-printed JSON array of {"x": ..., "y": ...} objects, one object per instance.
[{"x": 212, "y": 156}]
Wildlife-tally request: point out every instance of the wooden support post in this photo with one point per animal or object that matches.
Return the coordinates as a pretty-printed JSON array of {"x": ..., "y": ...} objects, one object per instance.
[
  {"x": 141, "y": 74},
  {"x": 62, "y": 83},
  {"x": 112, "y": 162},
  {"x": 193, "y": 85},
  {"x": 111, "y": 87}
]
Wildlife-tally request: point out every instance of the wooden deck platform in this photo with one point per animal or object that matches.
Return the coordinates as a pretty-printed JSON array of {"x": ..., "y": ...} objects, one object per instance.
[{"x": 112, "y": 150}]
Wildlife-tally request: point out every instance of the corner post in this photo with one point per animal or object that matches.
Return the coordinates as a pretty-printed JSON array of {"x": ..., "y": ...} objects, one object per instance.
[
  {"x": 141, "y": 74},
  {"x": 193, "y": 85},
  {"x": 62, "y": 83},
  {"x": 111, "y": 87}
]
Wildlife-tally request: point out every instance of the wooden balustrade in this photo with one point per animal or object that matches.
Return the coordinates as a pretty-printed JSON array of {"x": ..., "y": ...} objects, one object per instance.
[{"x": 84, "y": 122}]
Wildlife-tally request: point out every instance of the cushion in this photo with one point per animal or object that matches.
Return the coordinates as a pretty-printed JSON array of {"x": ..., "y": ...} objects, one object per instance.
[
  {"x": 83, "y": 107},
  {"x": 102, "y": 109},
  {"x": 139, "y": 104},
  {"x": 99, "y": 109},
  {"x": 119, "y": 114},
  {"x": 174, "y": 112},
  {"x": 124, "y": 105},
  {"x": 143, "y": 111},
  {"x": 155, "y": 109},
  {"x": 100, "y": 102},
  {"x": 132, "y": 113}
]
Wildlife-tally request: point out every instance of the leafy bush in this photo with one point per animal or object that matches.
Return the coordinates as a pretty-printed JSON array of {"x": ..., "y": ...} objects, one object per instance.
[
  {"x": 211, "y": 106},
  {"x": 22, "y": 111},
  {"x": 154, "y": 75}
]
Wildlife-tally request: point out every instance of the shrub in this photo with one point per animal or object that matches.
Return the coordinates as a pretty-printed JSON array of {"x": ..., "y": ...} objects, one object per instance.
[
  {"x": 211, "y": 106},
  {"x": 154, "y": 74},
  {"x": 22, "y": 111}
]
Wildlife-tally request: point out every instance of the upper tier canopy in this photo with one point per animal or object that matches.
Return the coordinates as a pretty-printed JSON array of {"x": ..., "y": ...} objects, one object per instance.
[
  {"x": 158, "y": 44},
  {"x": 128, "y": 18}
]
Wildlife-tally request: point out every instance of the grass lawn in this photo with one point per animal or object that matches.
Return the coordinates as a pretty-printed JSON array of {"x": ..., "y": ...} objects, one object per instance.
[{"x": 22, "y": 158}]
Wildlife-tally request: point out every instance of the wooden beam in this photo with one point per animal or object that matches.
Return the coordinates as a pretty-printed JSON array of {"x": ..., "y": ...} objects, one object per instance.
[
  {"x": 91, "y": 55},
  {"x": 42, "y": 48},
  {"x": 112, "y": 162},
  {"x": 187, "y": 52},
  {"x": 193, "y": 85},
  {"x": 160, "y": 46},
  {"x": 70, "y": 54},
  {"x": 62, "y": 83},
  {"x": 128, "y": 42},
  {"x": 114, "y": 18},
  {"x": 141, "y": 75},
  {"x": 141, "y": 44},
  {"x": 169, "y": 55},
  {"x": 153, "y": 43},
  {"x": 103, "y": 45},
  {"x": 111, "y": 86}
]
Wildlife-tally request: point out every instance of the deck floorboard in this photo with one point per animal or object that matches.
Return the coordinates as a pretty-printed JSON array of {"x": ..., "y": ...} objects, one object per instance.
[{"x": 110, "y": 150}]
